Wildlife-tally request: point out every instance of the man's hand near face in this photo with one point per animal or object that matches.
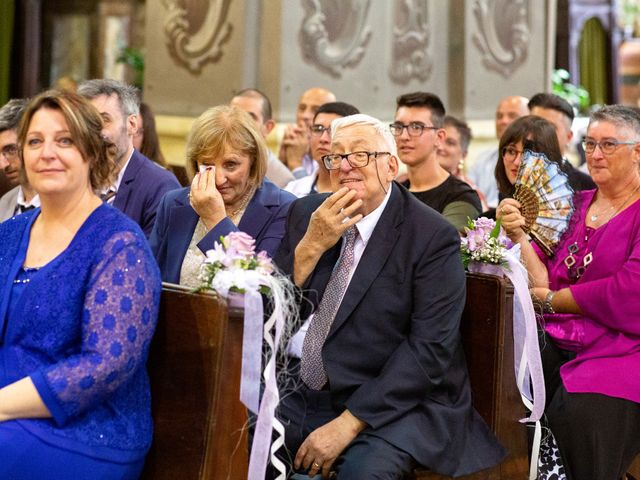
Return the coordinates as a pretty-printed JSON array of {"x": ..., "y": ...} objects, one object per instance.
[{"x": 334, "y": 216}]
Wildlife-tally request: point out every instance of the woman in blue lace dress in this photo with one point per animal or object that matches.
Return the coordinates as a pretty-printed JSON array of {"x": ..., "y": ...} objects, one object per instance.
[{"x": 79, "y": 294}]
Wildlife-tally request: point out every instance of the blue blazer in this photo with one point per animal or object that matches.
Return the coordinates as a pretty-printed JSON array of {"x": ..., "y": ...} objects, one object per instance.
[
  {"x": 143, "y": 185},
  {"x": 393, "y": 354},
  {"x": 264, "y": 220}
]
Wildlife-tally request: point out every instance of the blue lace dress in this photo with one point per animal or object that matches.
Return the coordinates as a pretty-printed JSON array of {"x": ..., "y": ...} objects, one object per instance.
[{"x": 80, "y": 328}]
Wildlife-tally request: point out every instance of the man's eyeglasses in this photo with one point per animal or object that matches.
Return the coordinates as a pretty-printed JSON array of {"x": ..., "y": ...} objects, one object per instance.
[
  {"x": 414, "y": 129},
  {"x": 607, "y": 147},
  {"x": 354, "y": 159},
  {"x": 317, "y": 130},
  {"x": 510, "y": 152}
]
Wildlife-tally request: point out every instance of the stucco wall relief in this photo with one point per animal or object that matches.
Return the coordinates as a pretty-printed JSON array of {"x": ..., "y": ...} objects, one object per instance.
[{"x": 196, "y": 30}]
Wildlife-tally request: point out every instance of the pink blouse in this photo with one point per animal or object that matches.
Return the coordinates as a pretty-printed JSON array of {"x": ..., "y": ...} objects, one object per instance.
[{"x": 606, "y": 337}]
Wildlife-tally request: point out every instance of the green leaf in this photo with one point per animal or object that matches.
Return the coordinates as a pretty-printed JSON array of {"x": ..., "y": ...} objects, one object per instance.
[{"x": 496, "y": 230}]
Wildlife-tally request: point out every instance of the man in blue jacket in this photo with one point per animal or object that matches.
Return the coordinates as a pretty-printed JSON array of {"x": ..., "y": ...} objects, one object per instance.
[{"x": 140, "y": 183}]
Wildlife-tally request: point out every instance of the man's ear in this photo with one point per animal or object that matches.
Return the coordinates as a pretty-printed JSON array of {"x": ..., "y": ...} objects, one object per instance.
[
  {"x": 392, "y": 164},
  {"x": 268, "y": 126},
  {"x": 441, "y": 136},
  {"x": 132, "y": 124}
]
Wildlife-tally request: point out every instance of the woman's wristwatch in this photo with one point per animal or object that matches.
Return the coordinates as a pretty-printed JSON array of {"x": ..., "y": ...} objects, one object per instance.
[{"x": 547, "y": 307}]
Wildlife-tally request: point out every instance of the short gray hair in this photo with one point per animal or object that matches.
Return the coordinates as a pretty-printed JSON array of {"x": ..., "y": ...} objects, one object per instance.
[
  {"x": 360, "y": 119},
  {"x": 128, "y": 95},
  {"x": 619, "y": 115},
  {"x": 11, "y": 113}
]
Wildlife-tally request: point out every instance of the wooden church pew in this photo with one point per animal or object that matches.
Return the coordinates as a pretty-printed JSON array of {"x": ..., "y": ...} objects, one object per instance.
[
  {"x": 194, "y": 367},
  {"x": 487, "y": 334}
]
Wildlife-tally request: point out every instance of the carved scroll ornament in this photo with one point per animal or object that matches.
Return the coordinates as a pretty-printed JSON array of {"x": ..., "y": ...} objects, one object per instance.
[
  {"x": 334, "y": 33},
  {"x": 410, "y": 58},
  {"x": 192, "y": 47},
  {"x": 504, "y": 34}
]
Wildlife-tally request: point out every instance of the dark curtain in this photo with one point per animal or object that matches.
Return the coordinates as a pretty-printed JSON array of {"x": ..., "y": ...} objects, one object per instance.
[{"x": 593, "y": 55}]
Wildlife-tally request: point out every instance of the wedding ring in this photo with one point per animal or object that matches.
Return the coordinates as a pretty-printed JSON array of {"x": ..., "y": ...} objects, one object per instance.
[{"x": 316, "y": 466}]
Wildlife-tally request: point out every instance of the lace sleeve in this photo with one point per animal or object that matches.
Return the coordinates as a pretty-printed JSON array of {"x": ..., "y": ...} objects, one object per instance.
[{"x": 118, "y": 321}]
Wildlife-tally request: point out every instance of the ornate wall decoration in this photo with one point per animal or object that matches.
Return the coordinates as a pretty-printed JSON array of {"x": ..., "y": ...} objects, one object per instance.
[
  {"x": 504, "y": 35},
  {"x": 334, "y": 34},
  {"x": 410, "y": 58},
  {"x": 195, "y": 31}
]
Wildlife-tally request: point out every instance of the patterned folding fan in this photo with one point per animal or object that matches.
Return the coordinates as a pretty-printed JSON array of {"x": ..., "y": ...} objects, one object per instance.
[{"x": 546, "y": 197}]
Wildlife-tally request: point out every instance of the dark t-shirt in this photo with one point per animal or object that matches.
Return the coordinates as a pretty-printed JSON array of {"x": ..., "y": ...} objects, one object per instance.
[{"x": 451, "y": 190}]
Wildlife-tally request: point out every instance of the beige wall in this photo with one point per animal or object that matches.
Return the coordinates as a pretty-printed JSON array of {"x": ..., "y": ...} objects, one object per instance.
[{"x": 470, "y": 52}]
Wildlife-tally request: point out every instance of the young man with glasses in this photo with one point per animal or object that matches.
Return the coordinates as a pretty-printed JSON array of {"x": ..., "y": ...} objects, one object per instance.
[
  {"x": 21, "y": 197},
  {"x": 320, "y": 145},
  {"x": 418, "y": 129},
  {"x": 372, "y": 398}
]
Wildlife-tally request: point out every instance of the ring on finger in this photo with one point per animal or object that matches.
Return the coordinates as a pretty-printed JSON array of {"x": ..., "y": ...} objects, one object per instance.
[{"x": 316, "y": 465}]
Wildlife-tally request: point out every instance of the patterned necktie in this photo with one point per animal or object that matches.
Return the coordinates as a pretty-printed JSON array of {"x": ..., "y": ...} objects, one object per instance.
[
  {"x": 312, "y": 368},
  {"x": 108, "y": 196}
]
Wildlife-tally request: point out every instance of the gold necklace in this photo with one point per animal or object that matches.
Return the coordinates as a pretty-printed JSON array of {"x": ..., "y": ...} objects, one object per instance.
[{"x": 243, "y": 203}]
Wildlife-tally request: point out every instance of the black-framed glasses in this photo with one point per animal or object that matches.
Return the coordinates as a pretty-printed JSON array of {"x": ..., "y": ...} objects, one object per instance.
[
  {"x": 354, "y": 159},
  {"x": 10, "y": 151},
  {"x": 317, "y": 130},
  {"x": 607, "y": 147},
  {"x": 414, "y": 129},
  {"x": 511, "y": 152}
]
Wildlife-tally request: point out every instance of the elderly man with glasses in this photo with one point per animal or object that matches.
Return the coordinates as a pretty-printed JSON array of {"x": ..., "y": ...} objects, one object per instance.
[
  {"x": 21, "y": 197},
  {"x": 418, "y": 128},
  {"x": 383, "y": 385}
]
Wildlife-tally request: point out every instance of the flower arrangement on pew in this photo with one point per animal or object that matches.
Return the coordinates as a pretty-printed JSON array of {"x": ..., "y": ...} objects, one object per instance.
[
  {"x": 233, "y": 267},
  {"x": 484, "y": 246},
  {"x": 487, "y": 249}
]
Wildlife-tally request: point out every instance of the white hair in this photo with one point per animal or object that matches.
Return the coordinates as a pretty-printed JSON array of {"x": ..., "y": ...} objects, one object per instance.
[{"x": 360, "y": 119}]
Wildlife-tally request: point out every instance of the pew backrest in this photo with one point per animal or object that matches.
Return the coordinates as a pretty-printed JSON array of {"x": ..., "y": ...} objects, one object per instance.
[{"x": 194, "y": 368}]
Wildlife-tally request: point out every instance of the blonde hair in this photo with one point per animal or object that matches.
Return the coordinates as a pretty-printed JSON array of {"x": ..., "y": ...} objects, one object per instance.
[{"x": 223, "y": 127}]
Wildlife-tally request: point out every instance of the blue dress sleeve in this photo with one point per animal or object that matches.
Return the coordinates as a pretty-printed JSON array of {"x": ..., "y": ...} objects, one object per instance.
[{"x": 119, "y": 317}]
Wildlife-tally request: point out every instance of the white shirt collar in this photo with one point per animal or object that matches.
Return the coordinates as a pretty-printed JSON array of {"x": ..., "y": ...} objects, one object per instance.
[{"x": 20, "y": 201}]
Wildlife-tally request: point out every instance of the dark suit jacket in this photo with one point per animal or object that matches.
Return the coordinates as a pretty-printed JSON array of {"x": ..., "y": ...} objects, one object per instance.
[
  {"x": 143, "y": 185},
  {"x": 393, "y": 354},
  {"x": 264, "y": 220}
]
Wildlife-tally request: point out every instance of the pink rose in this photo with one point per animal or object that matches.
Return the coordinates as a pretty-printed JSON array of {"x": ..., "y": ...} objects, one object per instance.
[{"x": 241, "y": 243}]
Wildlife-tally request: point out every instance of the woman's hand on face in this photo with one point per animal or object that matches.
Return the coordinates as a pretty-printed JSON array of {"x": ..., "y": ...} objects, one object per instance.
[
  {"x": 508, "y": 212},
  {"x": 206, "y": 199}
]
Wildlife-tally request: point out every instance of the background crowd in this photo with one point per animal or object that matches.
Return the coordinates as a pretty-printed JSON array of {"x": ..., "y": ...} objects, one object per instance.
[{"x": 366, "y": 218}]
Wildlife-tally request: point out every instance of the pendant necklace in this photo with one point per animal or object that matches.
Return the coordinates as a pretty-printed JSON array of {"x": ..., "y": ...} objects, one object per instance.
[{"x": 570, "y": 260}]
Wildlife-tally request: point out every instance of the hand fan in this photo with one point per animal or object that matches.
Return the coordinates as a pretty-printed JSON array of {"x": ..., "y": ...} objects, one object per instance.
[{"x": 546, "y": 197}]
